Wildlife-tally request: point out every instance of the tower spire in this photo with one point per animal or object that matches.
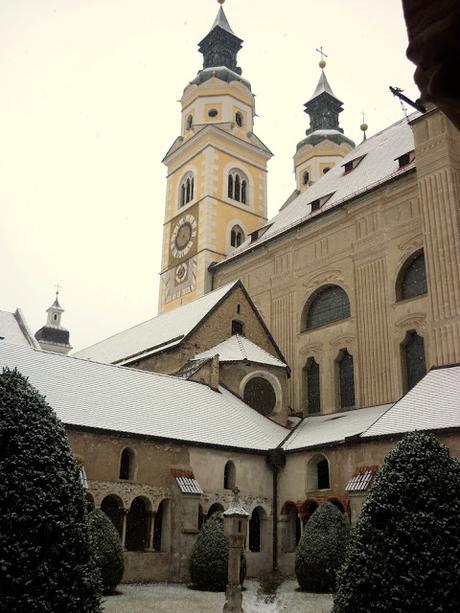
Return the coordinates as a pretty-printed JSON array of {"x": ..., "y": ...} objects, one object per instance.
[{"x": 221, "y": 45}]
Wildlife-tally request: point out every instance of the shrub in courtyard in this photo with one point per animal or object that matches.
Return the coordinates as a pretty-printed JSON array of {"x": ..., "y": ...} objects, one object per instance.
[
  {"x": 46, "y": 561},
  {"x": 321, "y": 549},
  {"x": 108, "y": 551},
  {"x": 209, "y": 559},
  {"x": 404, "y": 552}
]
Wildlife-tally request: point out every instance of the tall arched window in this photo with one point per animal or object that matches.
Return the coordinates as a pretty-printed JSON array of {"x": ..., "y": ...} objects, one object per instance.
[
  {"x": 187, "y": 189},
  {"x": 318, "y": 473},
  {"x": 312, "y": 381},
  {"x": 229, "y": 475},
  {"x": 214, "y": 508},
  {"x": 236, "y": 236},
  {"x": 158, "y": 526},
  {"x": 137, "y": 526},
  {"x": 237, "y": 186},
  {"x": 256, "y": 529},
  {"x": 413, "y": 358},
  {"x": 113, "y": 508},
  {"x": 412, "y": 278},
  {"x": 328, "y": 304},
  {"x": 346, "y": 380},
  {"x": 127, "y": 464}
]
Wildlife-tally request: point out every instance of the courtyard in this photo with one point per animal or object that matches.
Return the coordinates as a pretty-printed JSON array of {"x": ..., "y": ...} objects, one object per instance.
[{"x": 171, "y": 598}]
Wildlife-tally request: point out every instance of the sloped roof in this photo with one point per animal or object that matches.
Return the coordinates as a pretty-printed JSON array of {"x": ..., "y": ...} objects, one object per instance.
[
  {"x": 158, "y": 333},
  {"x": 323, "y": 87},
  {"x": 14, "y": 329},
  {"x": 332, "y": 428},
  {"x": 379, "y": 165},
  {"x": 238, "y": 348},
  {"x": 222, "y": 21},
  {"x": 433, "y": 404},
  {"x": 106, "y": 397}
]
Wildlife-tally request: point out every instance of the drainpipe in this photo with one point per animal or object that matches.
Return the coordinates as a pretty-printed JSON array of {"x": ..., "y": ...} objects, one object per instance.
[{"x": 276, "y": 460}]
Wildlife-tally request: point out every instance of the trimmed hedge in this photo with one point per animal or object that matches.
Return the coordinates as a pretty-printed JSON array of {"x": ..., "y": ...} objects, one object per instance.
[
  {"x": 321, "y": 549},
  {"x": 108, "y": 551},
  {"x": 209, "y": 560},
  {"x": 404, "y": 555},
  {"x": 45, "y": 552}
]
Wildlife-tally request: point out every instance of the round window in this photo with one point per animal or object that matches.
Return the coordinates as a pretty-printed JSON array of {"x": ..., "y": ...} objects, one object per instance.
[
  {"x": 260, "y": 395},
  {"x": 212, "y": 112}
]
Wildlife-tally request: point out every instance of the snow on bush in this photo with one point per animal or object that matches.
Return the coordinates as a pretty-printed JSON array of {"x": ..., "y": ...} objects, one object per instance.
[
  {"x": 46, "y": 563},
  {"x": 321, "y": 549},
  {"x": 108, "y": 551},
  {"x": 209, "y": 559},
  {"x": 404, "y": 554}
]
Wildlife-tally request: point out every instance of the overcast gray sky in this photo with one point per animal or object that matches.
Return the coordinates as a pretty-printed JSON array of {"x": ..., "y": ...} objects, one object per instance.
[{"x": 89, "y": 107}]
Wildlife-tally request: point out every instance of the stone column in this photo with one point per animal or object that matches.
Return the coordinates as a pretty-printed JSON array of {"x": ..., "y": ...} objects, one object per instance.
[
  {"x": 150, "y": 531},
  {"x": 123, "y": 528}
]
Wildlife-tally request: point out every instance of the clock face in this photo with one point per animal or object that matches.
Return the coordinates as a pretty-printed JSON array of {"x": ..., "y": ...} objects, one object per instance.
[{"x": 183, "y": 236}]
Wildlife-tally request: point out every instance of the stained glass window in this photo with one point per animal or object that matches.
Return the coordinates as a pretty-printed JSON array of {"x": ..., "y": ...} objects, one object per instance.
[
  {"x": 414, "y": 359},
  {"x": 329, "y": 304},
  {"x": 313, "y": 387},
  {"x": 346, "y": 381},
  {"x": 413, "y": 279}
]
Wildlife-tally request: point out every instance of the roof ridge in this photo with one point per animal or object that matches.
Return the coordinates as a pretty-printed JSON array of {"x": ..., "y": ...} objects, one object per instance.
[{"x": 241, "y": 346}]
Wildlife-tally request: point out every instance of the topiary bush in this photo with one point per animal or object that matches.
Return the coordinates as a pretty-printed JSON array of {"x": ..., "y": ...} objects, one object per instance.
[
  {"x": 46, "y": 562},
  {"x": 108, "y": 551},
  {"x": 321, "y": 549},
  {"x": 209, "y": 560},
  {"x": 404, "y": 552}
]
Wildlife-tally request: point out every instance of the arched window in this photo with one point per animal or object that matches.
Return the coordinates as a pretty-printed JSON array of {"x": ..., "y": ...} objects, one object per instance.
[
  {"x": 306, "y": 177},
  {"x": 137, "y": 525},
  {"x": 187, "y": 189},
  {"x": 260, "y": 395},
  {"x": 306, "y": 510},
  {"x": 113, "y": 508},
  {"x": 229, "y": 475},
  {"x": 293, "y": 527},
  {"x": 237, "y": 327},
  {"x": 346, "y": 380},
  {"x": 236, "y": 236},
  {"x": 189, "y": 122},
  {"x": 328, "y": 304},
  {"x": 237, "y": 186},
  {"x": 158, "y": 526},
  {"x": 214, "y": 508},
  {"x": 256, "y": 525},
  {"x": 313, "y": 386},
  {"x": 413, "y": 354},
  {"x": 127, "y": 464},
  {"x": 318, "y": 473},
  {"x": 412, "y": 278}
]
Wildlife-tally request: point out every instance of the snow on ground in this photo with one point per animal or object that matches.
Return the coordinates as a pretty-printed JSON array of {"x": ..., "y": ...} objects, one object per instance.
[{"x": 178, "y": 598}]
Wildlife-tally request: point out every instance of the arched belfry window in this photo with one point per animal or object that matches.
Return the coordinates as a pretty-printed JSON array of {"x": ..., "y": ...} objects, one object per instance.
[
  {"x": 237, "y": 186},
  {"x": 312, "y": 381},
  {"x": 413, "y": 358},
  {"x": 187, "y": 189},
  {"x": 412, "y": 278},
  {"x": 126, "y": 464},
  {"x": 306, "y": 177},
  {"x": 346, "y": 380},
  {"x": 229, "y": 475},
  {"x": 236, "y": 236},
  {"x": 328, "y": 304}
]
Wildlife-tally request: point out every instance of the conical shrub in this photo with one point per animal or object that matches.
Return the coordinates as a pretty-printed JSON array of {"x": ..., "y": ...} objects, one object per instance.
[
  {"x": 46, "y": 563},
  {"x": 321, "y": 550},
  {"x": 108, "y": 552},
  {"x": 404, "y": 554}
]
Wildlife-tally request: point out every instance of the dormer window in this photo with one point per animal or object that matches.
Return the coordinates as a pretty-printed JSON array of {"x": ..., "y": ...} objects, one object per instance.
[
  {"x": 319, "y": 202},
  {"x": 406, "y": 158},
  {"x": 315, "y": 205},
  {"x": 254, "y": 235},
  {"x": 351, "y": 164}
]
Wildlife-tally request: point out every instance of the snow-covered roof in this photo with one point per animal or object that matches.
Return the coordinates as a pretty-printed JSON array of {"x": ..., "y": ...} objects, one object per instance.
[
  {"x": 433, "y": 404},
  {"x": 156, "y": 334},
  {"x": 238, "y": 348},
  {"x": 332, "y": 428},
  {"x": 380, "y": 154},
  {"x": 14, "y": 329},
  {"x": 106, "y": 397}
]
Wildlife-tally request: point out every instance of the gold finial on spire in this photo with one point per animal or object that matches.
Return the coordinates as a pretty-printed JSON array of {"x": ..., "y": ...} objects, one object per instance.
[
  {"x": 322, "y": 62},
  {"x": 363, "y": 127}
]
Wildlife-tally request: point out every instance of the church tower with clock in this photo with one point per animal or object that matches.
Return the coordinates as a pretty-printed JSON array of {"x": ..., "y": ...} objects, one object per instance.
[{"x": 217, "y": 172}]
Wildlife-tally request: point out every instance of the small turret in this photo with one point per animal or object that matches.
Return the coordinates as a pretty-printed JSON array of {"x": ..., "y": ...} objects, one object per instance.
[{"x": 53, "y": 336}]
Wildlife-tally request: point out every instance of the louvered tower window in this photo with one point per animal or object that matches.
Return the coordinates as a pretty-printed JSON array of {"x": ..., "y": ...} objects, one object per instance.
[
  {"x": 346, "y": 380},
  {"x": 413, "y": 359}
]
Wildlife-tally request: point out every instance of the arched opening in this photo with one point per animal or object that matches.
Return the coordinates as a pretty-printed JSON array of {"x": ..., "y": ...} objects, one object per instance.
[
  {"x": 214, "y": 508},
  {"x": 237, "y": 186},
  {"x": 307, "y": 508},
  {"x": 256, "y": 527},
  {"x": 328, "y": 304},
  {"x": 337, "y": 503},
  {"x": 413, "y": 359},
  {"x": 137, "y": 525},
  {"x": 237, "y": 327},
  {"x": 411, "y": 280},
  {"x": 187, "y": 189},
  {"x": 318, "y": 473},
  {"x": 260, "y": 395},
  {"x": 346, "y": 380},
  {"x": 113, "y": 508},
  {"x": 293, "y": 530},
  {"x": 236, "y": 236},
  {"x": 189, "y": 122},
  {"x": 229, "y": 475},
  {"x": 127, "y": 464},
  {"x": 312, "y": 382},
  {"x": 159, "y": 526}
]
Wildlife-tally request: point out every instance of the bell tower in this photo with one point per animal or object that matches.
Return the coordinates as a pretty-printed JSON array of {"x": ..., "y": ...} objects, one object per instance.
[{"x": 216, "y": 192}]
